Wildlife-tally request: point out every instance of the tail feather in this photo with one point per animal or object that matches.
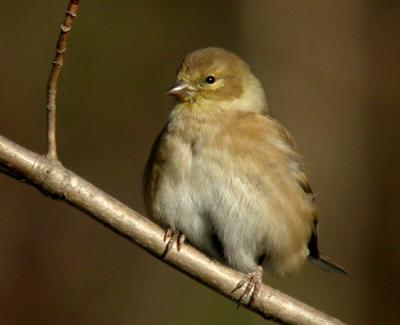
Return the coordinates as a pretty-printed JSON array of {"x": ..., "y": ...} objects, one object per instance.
[{"x": 328, "y": 264}]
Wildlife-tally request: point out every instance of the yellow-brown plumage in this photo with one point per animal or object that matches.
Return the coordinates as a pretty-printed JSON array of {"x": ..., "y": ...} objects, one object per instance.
[{"x": 227, "y": 175}]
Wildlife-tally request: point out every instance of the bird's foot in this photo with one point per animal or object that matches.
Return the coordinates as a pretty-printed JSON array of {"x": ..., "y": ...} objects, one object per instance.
[
  {"x": 171, "y": 237},
  {"x": 253, "y": 282}
]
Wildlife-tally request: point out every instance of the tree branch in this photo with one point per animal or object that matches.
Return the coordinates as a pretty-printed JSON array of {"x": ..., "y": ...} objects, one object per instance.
[
  {"x": 58, "y": 63},
  {"x": 49, "y": 176}
]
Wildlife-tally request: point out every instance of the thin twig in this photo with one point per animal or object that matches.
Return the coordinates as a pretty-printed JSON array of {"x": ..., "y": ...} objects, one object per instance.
[
  {"x": 51, "y": 177},
  {"x": 58, "y": 62}
]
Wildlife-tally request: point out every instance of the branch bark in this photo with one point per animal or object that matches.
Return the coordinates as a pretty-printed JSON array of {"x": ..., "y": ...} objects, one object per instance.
[{"x": 50, "y": 177}]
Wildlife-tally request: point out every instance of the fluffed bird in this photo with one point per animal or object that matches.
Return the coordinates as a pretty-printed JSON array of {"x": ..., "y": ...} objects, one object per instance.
[{"x": 227, "y": 176}]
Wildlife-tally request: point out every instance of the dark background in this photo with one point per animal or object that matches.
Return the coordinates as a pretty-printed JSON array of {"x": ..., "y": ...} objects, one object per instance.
[{"x": 331, "y": 71}]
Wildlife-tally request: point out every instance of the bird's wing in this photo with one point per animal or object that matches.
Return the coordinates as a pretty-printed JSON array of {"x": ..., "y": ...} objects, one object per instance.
[
  {"x": 313, "y": 241},
  {"x": 301, "y": 178},
  {"x": 314, "y": 254},
  {"x": 151, "y": 170}
]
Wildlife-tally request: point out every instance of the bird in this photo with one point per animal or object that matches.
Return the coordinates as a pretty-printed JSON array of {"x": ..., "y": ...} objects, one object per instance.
[{"x": 226, "y": 176}]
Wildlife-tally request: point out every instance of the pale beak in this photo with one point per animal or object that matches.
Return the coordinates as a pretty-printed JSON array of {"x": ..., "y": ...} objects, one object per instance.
[{"x": 182, "y": 91}]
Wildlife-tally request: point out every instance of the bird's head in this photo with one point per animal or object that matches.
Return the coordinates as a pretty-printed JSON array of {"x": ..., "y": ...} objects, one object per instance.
[{"x": 218, "y": 78}]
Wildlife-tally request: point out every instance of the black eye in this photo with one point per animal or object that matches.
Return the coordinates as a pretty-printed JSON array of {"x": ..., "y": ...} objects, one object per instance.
[{"x": 210, "y": 79}]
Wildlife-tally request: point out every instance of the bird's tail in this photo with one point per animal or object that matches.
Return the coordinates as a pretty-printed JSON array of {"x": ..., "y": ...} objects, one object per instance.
[{"x": 327, "y": 264}]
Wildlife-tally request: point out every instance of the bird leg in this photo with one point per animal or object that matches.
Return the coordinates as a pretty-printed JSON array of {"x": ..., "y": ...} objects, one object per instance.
[
  {"x": 171, "y": 237},
  {"x": 253, "y": 282}
]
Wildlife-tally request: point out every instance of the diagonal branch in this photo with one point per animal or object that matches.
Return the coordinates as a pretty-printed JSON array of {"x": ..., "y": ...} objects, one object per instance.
[
  {"x": 50, "y": 177},
  {"x": 58, "y": 62}
]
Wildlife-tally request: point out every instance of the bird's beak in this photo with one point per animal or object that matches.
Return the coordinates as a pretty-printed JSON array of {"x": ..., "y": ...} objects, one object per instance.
[{"x": 182, "y": 91}]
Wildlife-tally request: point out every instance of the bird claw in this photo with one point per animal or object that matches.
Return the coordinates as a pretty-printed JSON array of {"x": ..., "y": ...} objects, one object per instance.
[
  {"x": 253, "y": 280},
  {"x": 171, "y": 237}
]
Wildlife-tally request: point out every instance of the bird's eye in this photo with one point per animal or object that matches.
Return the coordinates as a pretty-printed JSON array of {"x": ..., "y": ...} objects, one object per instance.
[{"x": 210, "y": 79}]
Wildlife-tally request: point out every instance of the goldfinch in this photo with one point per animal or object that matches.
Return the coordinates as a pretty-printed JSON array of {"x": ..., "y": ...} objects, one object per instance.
[{"x": 226, "y": 175}]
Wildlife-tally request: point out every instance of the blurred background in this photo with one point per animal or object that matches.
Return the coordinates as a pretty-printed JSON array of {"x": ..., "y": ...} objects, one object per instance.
[{"x": 331, "y": 71}]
